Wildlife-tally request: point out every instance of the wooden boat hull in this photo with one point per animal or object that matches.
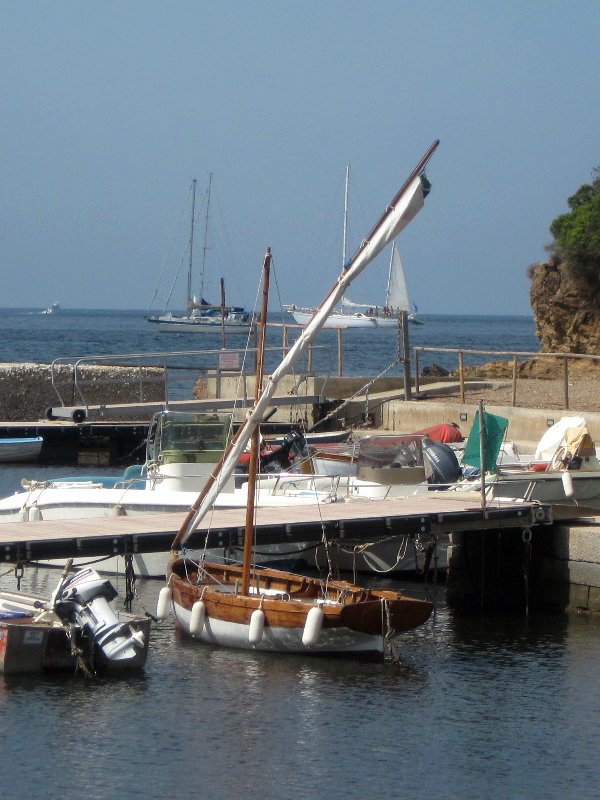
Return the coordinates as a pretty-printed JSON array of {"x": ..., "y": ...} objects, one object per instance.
[{"x": 355, "y": 621}]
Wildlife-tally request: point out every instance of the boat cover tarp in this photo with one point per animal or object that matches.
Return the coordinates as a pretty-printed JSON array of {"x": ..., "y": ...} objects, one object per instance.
[
  {"x": 495, "y": 431},
  {"x": 446, "y": 433}
]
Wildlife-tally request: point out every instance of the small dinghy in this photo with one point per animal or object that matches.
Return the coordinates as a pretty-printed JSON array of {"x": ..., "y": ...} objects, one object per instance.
[
  {"x": 76, "y": 629},
  {"x": 21, "y": 449}
]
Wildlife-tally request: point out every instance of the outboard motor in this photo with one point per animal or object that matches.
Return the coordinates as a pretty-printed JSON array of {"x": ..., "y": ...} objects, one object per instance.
[
  {"x": 83, "y": 598},
  {"x": 293, "y": 442},
  {"x": 442, "y": 462}
]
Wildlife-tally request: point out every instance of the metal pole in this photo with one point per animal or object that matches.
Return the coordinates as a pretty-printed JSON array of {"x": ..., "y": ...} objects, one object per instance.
[
  {"x": 482, "y": 443},
  {"x": 461, "y": 375},
  {"x": 405, "y": 354},
  {"x": 514, "y": 382},
  {"x": 566, "y": 380},
  {"x": 417, "y": 386}
]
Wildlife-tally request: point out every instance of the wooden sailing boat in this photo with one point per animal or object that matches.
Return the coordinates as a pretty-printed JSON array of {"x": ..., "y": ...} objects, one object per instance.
[{"x": 263, "y": 609}]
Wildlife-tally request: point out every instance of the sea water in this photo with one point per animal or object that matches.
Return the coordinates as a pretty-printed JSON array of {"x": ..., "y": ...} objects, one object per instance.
[{"x": 472, "y": 708}]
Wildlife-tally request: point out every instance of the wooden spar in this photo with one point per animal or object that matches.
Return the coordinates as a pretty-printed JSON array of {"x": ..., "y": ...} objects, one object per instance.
[
  {"x": 396, "y": 216},
  {"x": 254, "y": 453}
]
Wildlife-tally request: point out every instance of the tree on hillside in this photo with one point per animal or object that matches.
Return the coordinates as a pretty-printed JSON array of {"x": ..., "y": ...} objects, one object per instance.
[{"x": 577, "y": 237}]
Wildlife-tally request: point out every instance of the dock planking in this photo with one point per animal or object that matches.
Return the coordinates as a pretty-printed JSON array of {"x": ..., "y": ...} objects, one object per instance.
[{"x": 357, "y": 520}]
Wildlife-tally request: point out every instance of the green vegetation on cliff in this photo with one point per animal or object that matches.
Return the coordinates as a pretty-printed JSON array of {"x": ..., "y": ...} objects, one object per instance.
[{"x": 577, "y": 236}]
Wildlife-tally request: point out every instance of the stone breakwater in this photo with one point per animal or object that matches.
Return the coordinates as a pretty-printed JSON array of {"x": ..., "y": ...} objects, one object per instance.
[{"x": 27, "y": 391}]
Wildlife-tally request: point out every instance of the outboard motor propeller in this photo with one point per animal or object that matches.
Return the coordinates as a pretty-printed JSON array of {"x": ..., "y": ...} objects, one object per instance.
[{"x": 83, "y": 598}]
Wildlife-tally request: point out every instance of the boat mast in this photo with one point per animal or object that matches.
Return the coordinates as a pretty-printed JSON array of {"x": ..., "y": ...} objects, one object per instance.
[
  {"x": 205, "y": 247},
  {"x": 255, "y": 439},
  {"x": 344, "y": 249},
  {"x": 190, "y": 299},
  {"x": 345, "y": 215}
]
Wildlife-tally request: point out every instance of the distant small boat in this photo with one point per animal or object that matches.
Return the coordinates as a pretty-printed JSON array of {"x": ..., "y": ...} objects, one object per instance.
[
  {"x": 51, "y": 309},
  {"x": 21, "y": 449}
]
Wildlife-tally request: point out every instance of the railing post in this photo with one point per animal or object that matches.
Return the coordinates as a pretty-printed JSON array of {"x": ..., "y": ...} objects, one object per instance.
[
  {"x": 461, "y": 375},
  {"x": 514, "y": 382},
  {"x": 417, "y": 387},
  {"x": 340, "y": 353},
  {"x": 566, "y": 380},
  {"x": 405, "y": 354}
]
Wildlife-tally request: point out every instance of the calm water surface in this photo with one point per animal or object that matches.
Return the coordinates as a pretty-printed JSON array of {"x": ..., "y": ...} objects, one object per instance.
[
  {"x": 496, "y": 708},
  {"x": 501, "y": 708}
]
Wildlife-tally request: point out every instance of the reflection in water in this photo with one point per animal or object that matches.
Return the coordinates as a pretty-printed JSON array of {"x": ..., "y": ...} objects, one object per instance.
[{"x": 494, "y": 708}]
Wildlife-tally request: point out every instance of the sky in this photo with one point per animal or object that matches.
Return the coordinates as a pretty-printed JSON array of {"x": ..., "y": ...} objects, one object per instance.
[{"x": 109, "y": 110}]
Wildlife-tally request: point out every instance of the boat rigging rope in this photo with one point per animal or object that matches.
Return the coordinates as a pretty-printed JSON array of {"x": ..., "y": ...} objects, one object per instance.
[{"x": 363, "y": 390}]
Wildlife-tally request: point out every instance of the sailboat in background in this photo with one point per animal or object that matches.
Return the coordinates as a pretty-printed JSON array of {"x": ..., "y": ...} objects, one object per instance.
[
  {"x": 202, "y": 316},
  {"x": 396, "y": 296},
  {"x": 253, "y": 607},
  {"x": 367, "y": 315}
]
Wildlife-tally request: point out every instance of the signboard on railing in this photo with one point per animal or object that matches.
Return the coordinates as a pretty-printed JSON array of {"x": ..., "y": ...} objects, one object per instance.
[{"x": 229, "y": 361}]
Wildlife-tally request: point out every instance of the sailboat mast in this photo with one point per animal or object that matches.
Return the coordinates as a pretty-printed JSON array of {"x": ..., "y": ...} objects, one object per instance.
[
  {"x": 344, "y": 249},
  {"x": 255, "y": 439},
  {"x": 205, "y": 247},
  {"x": 191, "y": 262}
]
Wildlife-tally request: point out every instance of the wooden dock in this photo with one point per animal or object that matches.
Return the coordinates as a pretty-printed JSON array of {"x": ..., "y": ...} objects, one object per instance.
[{"x": 357, "y": 520}]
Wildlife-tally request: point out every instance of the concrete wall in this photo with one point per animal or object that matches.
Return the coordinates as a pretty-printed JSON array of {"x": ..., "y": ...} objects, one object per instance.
[
  {"x": 27, "y": 390},
  {"x": 558, "y": 570},
  {"x": 526, "y": 425}
]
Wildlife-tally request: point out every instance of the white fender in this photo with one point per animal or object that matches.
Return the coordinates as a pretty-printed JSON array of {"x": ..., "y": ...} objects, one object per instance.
[
  {"x": 567, "y": 482},
  {"x": 197, "y": 617},
  {"x": 34, "y": 514},
  {"x": 163, "y": 607},
  {"x": 257, "y": 626},
  {"x": 312, "y": 626}
]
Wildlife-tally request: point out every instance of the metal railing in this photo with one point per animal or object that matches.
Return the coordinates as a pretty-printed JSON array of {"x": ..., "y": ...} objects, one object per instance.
[
  {"x": 515, "y": 355},
  {"x": 178, "y": 368}
]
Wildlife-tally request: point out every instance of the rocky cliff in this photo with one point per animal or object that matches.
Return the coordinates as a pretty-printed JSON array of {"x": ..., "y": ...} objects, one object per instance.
[{"x": 566, "y": 319}]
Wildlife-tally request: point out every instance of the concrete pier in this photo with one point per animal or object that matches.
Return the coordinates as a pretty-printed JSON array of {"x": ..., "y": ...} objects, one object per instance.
[{"x": 556, "y": 569}]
